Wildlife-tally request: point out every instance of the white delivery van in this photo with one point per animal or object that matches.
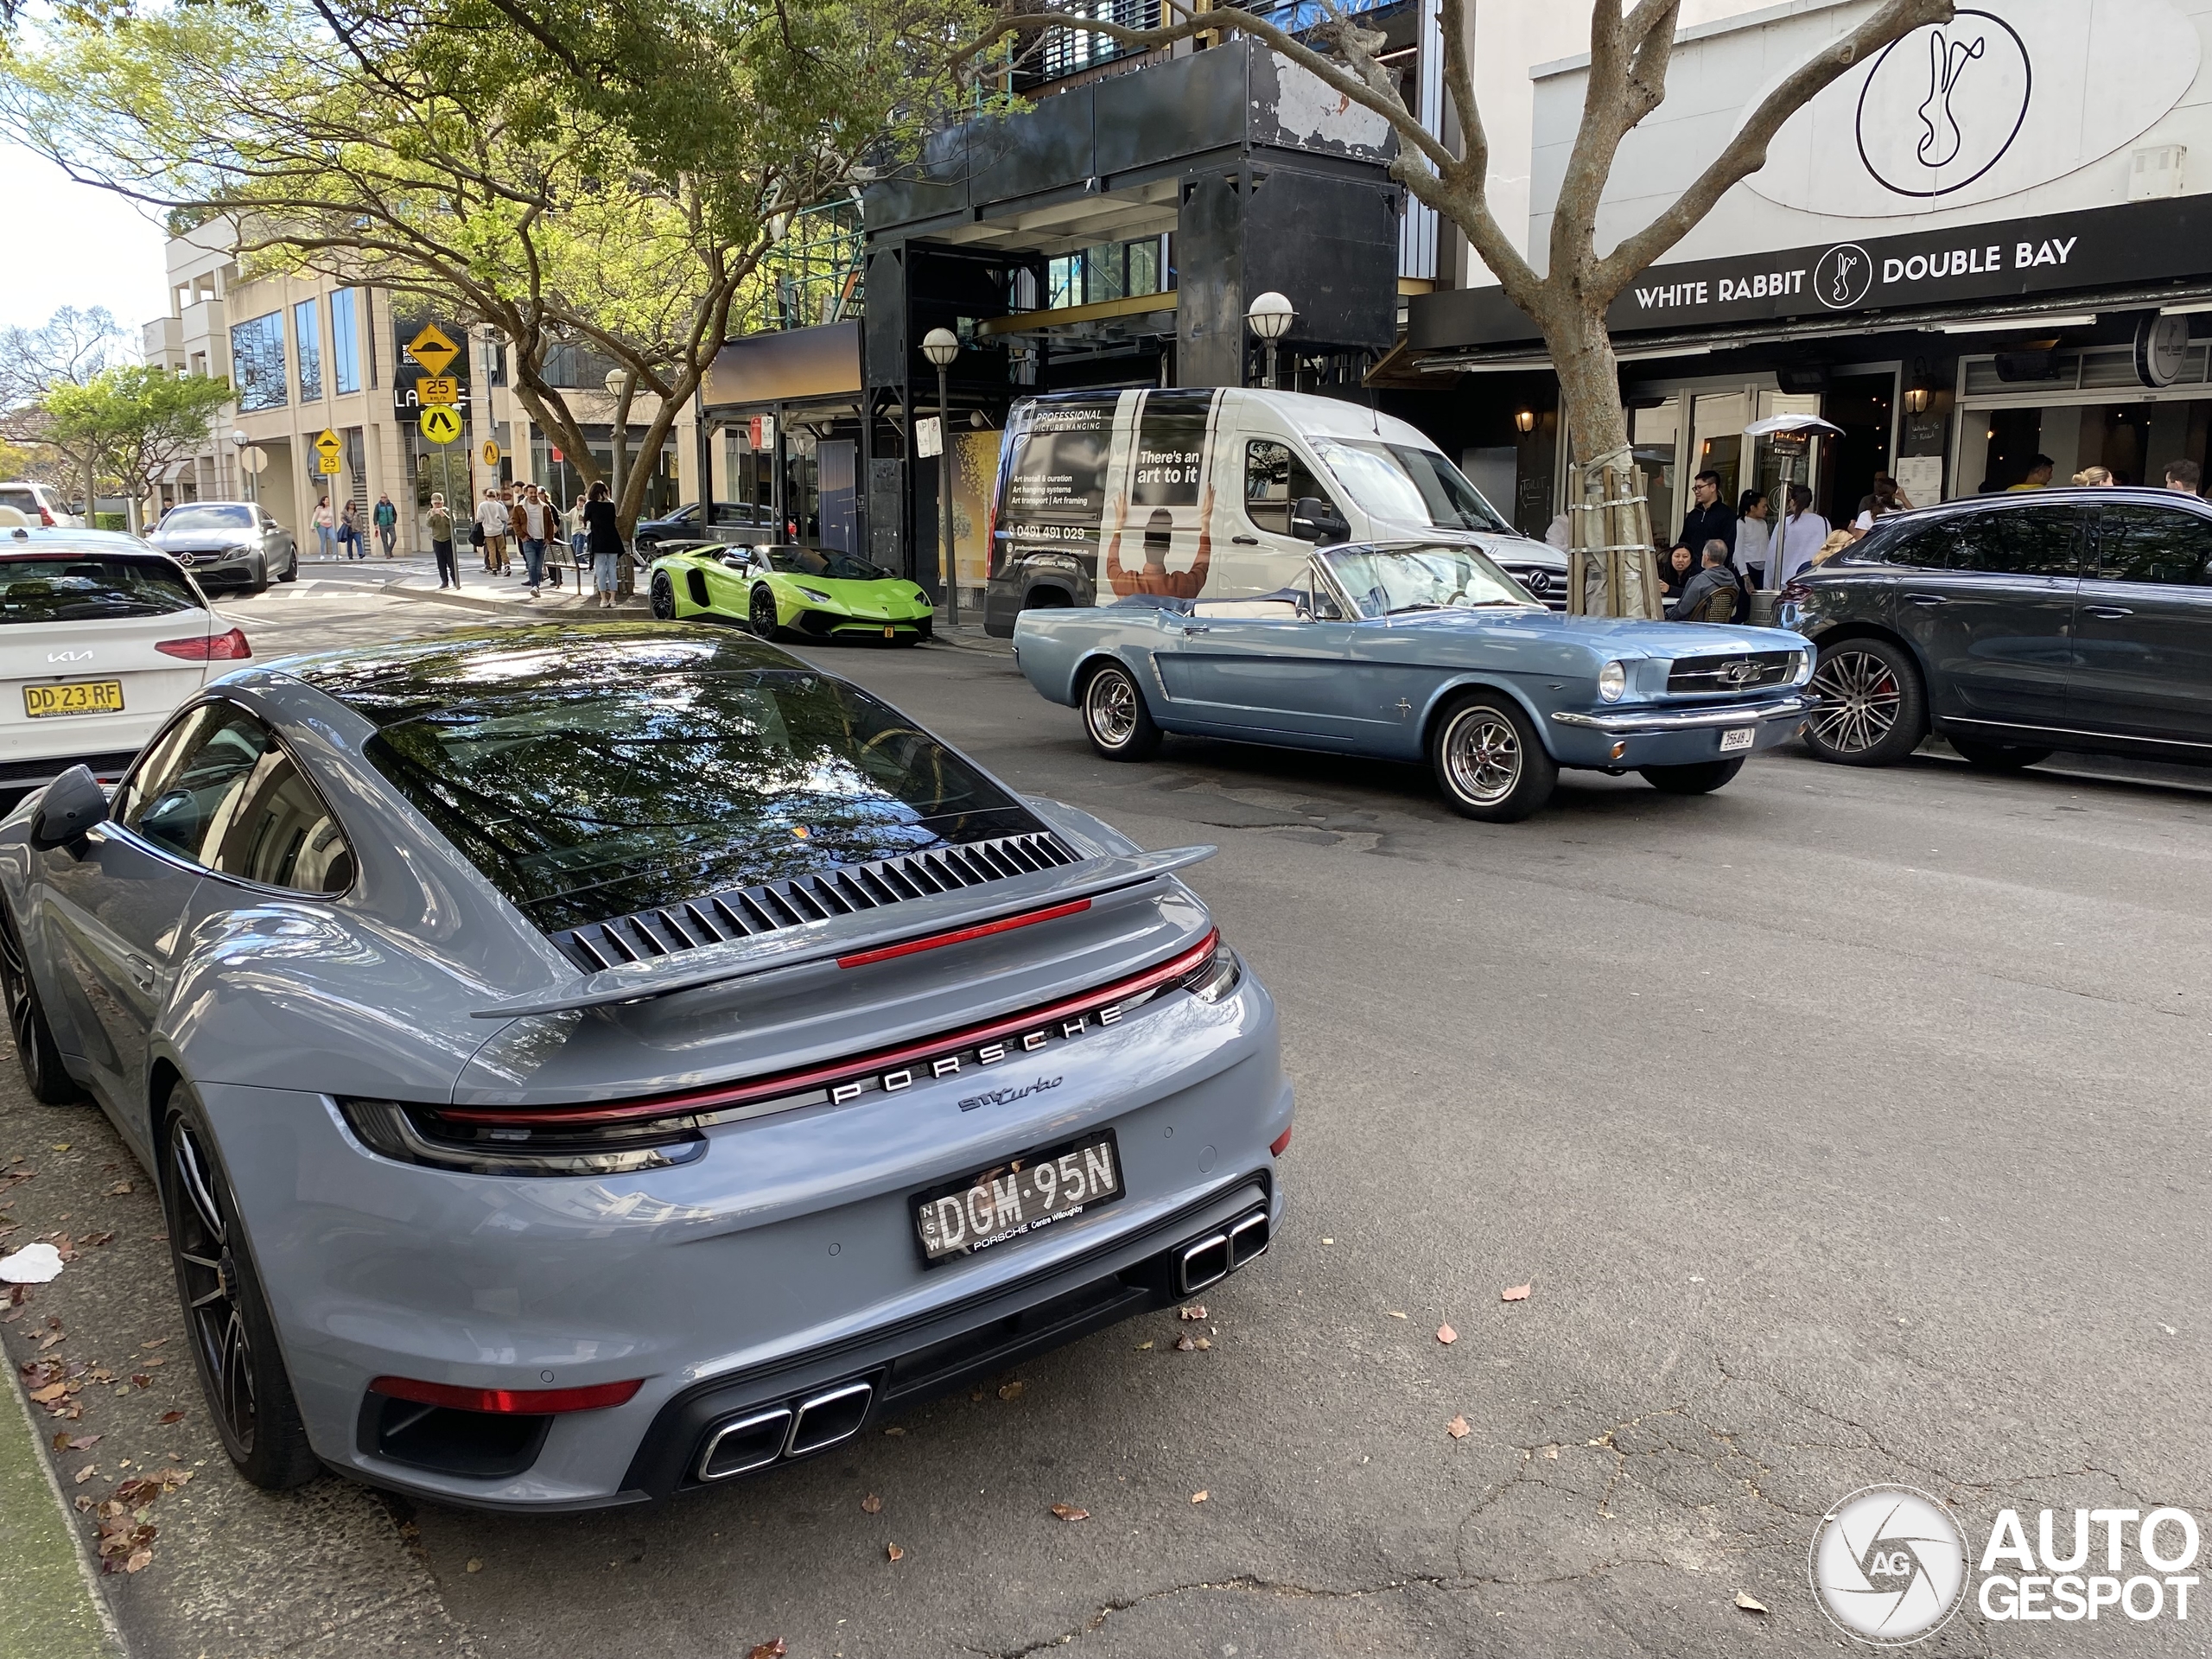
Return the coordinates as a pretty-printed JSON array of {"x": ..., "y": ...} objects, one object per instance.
[{"x": 1220, "y": 491}]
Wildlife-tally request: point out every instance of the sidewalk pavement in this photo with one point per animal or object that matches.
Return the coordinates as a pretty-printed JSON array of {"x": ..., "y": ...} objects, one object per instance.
[{"x": 49, "y": 1609}]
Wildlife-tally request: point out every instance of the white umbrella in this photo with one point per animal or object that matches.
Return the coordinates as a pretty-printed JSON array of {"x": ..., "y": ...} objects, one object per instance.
[{"x": 1789, "y": 423}]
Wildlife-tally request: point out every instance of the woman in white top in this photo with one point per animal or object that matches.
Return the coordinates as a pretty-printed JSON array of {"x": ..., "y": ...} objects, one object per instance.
[
  {"x": 1751, "y": 529},
  {"x": 1803, "y": 532}
]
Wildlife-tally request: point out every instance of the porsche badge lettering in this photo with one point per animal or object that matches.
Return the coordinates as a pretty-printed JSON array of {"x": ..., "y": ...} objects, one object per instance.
[{"x": 954, "y": 1062}]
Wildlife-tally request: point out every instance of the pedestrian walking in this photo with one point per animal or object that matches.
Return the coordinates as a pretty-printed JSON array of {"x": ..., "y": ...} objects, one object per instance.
[
  {"x": 326, "y": 528},
  {"x": 441, "y": 543},
  {"x": 533, "y": 523},
  {"x": 605, "y": 539},
  {"x": 1803, "y": 532},
  {"x": 387, "y": 518},
  {"x": 1752, "y": 537},
  {"x": 491, "y": 520},
  {"x": 349, "y": 535},
  {"x": 1710, "y": 519}
]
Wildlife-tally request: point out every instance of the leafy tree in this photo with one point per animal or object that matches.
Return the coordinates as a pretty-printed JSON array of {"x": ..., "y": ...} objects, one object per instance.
[
  {"x": 68, "y": 349},
  {"x": 567, "y": 174},
  {"x": 132, "y": 424},
  {"x": 1629, "y": 53}
]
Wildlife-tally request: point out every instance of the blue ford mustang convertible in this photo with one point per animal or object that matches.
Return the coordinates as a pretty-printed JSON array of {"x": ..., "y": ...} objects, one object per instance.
[{"x": 1405, "y": 649}]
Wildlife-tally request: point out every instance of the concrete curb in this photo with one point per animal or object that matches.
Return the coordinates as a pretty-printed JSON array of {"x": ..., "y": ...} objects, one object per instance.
[
  {"x": 513, "y": 608},
  {"x": 53, "y": 1608}
]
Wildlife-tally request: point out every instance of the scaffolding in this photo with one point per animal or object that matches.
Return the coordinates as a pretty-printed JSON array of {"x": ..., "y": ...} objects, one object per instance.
[{"x": 814, "y": 276}]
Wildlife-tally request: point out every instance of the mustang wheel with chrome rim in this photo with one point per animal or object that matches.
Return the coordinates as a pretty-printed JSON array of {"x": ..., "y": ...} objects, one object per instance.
[
  {"x": 233, "y": 1339},
  {"x": 1490, "y": 763},
  {"x": 1114, "y": 715},
  {"x": 1869, "y": 708}
]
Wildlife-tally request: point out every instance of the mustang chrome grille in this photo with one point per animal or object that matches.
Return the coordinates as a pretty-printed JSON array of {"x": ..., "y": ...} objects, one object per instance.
[
  {"x": 1742, "y": 671},
  {"x": 746, "y": 912}
]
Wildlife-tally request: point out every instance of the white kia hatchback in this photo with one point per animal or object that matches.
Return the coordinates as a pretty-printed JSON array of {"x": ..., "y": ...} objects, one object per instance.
[{"x": 101, "y": 637}]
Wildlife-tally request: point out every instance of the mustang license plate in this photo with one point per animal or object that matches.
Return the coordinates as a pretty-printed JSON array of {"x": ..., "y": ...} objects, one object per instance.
[
  {"x": 80, "y": 698},
  {"x": 1018, "y": 1197},
  {"x": 1741, "y": 738}
]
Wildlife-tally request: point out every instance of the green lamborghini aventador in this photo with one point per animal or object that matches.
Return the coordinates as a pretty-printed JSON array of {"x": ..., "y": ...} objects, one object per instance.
[{"x": 818, "y": 593}]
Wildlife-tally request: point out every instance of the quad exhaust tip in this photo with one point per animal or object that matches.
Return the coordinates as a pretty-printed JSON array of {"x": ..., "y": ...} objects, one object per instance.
[
  {"x": 760, "y": 1438},
  {"x": 1218, "y": 1254}
]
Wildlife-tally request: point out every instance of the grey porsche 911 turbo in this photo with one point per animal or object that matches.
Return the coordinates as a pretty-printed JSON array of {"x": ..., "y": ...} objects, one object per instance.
[{"x": 580, "y": 1064}]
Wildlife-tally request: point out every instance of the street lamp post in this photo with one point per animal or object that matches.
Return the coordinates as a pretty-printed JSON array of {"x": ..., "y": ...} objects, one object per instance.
[
  {"x": 239, "y": 440},
  {"x": 941, "y": 346},
  {"x": 1270, "y": 316}
]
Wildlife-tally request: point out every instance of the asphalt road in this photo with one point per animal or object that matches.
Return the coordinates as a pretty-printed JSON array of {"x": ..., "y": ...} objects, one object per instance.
[{"x": 1847, "y": 1126}]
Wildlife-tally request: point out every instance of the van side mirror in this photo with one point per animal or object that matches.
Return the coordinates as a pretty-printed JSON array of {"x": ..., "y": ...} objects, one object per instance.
[
  {"x": 73, "y": 803},
  {"x": 1312, "y": 519}
]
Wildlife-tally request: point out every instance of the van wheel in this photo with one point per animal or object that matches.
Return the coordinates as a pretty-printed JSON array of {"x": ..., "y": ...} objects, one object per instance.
[
  {"x": 1872, "y": 709},
  {"x": 1489, "y": 762},
  {"x": 1114, "y": 718}
]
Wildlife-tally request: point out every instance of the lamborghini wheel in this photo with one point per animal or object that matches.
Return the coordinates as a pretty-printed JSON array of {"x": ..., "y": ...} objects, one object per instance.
[
  {"x": 664, "y": 597},
  {"x": 761, "y": 612}
]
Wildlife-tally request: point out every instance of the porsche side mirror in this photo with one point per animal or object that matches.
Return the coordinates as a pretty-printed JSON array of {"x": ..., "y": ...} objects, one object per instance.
[
  {"x": 73, "y": 803},
  {"x": 1314, "y": 520}
]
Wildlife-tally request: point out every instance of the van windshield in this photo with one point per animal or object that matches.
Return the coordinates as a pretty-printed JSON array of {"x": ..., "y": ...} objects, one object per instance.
[{"x": 1408, "y": 486}]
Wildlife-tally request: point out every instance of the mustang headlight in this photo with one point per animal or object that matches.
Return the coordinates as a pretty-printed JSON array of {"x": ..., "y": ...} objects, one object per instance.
[
  {"x": 814, "y": 593},
  {"x": 1801, "y": 667},
  {"x": 1613, "y": 680}
]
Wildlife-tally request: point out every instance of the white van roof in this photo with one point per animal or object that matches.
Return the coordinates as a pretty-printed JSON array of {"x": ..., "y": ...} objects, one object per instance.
[{"x": 1302, "y": 411}]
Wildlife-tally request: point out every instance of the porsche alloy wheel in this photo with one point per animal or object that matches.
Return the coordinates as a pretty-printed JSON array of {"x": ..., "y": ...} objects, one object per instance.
[
  {"x": 664, "y": 597},
  {"x": 760, "y": 611},
  {"x": 1114, "y": 718},
  {"x": 1869, "y": 708},
  {"x": 233, "y": 1341},
  {"x": 36, "y": 1051},
  {"x": 1490, "y": 764}
]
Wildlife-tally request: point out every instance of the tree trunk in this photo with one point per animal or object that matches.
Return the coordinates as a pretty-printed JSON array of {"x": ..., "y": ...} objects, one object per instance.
[{"x": 1611, "y": 570}]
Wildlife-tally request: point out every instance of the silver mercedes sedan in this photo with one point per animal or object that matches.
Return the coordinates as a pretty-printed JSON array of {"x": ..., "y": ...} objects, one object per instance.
[{"x": 583, "y": 1064}]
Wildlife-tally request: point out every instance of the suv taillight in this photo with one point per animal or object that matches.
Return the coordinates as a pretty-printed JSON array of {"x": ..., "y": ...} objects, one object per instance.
[
  {"x": 209, "y": 648},
  {"x": 45, "y": 517},
  {"x": 1795, "y": 591}
]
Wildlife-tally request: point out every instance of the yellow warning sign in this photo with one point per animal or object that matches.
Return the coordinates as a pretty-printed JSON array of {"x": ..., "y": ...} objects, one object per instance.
[
  {"x": 440, "y": 424},
  {"x": 433, "y": 349},
  {"x": 327, "y": 443},
  {"x": 491, "y": 453},
  {"x": 326, "y": 463},
  {"x": 437, "y": 389}
]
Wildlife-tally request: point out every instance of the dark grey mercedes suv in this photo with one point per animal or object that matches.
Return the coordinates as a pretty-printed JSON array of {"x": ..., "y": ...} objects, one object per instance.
[{"x": 2014, "y": 624}]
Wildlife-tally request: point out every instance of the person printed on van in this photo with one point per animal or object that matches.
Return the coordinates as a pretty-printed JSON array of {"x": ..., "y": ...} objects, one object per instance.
[
  {"x": 1154, "y": 579},
  {"x": 1752, "y": 537}
]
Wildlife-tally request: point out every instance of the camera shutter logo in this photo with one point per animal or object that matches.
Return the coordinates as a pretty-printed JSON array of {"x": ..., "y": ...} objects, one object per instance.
[{"x": 1889, "y": 1565}]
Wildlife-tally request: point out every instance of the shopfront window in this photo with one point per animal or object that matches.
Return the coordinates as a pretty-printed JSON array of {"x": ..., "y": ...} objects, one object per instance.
[
  {"x": 1654, "y": 433},
  {"x": 306, "y": 334},
  {"x": 1717, "y": 439}
]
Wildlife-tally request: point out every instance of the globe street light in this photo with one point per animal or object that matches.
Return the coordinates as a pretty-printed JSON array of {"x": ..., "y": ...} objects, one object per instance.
[
  {"x": 239, "y": 440},
  {"x": 1270, "y": 316},
  {"x": 941, "y": 346}
]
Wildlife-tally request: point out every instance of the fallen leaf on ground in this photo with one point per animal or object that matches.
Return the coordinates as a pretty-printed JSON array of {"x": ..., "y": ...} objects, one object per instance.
[
  {"x": 1185, "y": 1345},
  {"x": 1393, "y": 1313},
  {"x": 871, "y": 1504},
  {"x": 894, "y": 1552},
  {"x": 1517, "y": 1293},
  {"x": 50, "y": 1393},
  {"x": 474, "y": 1565},
  {"x": 894, "y": 1429},
  {"x": 118, "y": 1189},
  {"x": 1457, "y": 1428},
  {"x": 1195, "y": 1311},
  {"x": 1069, "y": 1512},
  {"x": 155, "y": 1341},
  {"x": 1447, "y": 1335},
  {"x": 1202, "y": 1343},
  {"x": 1748, "y": 1603},
  {"x": 1012, "y": 1390},
  {"x": 84, "y": 1474},
  {"x": 83, "y": 1502},
  {"x": 771, "y": 1650},
  {"x": 168, "y": 1417},
  {"x": 139, "y": 1560},
  {"x": 1145, "y": 1347},
  {"x": 93, "y": 1240},
  {"x": 1200, "y": 1497},
  {"x": 142, "y": 1379}
]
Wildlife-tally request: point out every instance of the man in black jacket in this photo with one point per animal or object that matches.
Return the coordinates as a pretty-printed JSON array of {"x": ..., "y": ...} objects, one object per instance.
[{"x": 1710, "y": 519}]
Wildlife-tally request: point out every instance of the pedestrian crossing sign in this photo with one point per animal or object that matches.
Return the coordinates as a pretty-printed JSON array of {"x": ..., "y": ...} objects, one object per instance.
[
  {"x": 433, "y": 349},
  {"x": 440, "y": 423}
]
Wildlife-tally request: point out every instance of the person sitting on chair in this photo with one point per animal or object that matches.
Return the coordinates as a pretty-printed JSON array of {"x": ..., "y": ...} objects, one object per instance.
[{"x": 1711, "y": 594}]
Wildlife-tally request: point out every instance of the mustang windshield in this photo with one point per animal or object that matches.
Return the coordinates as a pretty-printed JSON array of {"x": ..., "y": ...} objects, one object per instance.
[
  {"x": 824, "y": 562},
  {"x": 648, "y": 771},
  {"x": 1408, "y": 486},
  {"x": 1390, "y": 581}
]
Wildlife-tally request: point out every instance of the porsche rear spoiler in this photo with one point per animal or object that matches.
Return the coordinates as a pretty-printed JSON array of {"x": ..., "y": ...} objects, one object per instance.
[{"x": 856, "y": 941}]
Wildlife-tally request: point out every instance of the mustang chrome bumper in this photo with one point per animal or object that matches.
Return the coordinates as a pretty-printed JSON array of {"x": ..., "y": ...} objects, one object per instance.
[{"x": 1627, "y": 724}]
